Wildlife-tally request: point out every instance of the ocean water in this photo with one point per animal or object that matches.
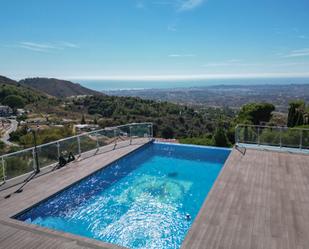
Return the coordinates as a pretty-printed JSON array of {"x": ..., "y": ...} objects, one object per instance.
[
  {"x": 104, "y": 85},
  {"x": 148, "y": 199}
]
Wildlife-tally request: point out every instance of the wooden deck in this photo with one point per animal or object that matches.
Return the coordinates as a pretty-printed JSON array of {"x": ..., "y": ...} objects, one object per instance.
[
  {"x": 259, "y": 201},
  {"x": 16, "y": 234}
]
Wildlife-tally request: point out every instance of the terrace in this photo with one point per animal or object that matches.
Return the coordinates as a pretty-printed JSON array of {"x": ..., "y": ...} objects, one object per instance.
[{"x": 259, "y": 200}]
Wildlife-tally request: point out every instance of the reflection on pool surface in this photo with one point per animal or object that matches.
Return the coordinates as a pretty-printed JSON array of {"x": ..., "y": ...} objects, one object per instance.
[{"x": 148, "y": 199}]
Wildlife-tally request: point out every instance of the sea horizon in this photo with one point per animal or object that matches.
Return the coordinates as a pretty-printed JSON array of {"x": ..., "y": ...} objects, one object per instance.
[{"x": 114, "y": 85}]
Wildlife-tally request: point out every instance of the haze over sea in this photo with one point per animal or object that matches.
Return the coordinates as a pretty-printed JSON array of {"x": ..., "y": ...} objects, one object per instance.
[{"x": 105, "y": 85}]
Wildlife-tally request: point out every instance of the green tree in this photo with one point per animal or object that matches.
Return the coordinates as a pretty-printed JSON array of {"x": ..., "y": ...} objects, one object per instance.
[
  {"x": 167, "y": 132},
  {"x": 296, "y": 113},
  {"x": 24, "y": 138},
  {"x": 197, "y": 140},
  {"x": 14, "y": 101},
  {"x": 256, "y": 113},
  {"x": 22, "y": 117},
  {"x": 220, "y": 139}
]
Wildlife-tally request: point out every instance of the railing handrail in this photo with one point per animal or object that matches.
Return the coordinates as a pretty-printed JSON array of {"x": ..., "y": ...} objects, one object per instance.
[
  {"x": 270, "y": 126},
  {"x": 72, "y": 137},
  {"x": 281, "y": 129},
  {"x": 117, "y": 132}
]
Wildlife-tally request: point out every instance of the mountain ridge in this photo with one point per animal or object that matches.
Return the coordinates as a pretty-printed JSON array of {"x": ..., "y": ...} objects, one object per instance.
[
  {"x": 58, "y": 88},
  {"x": 9, "y": 87},
  {"x": 6, "y": 80}
]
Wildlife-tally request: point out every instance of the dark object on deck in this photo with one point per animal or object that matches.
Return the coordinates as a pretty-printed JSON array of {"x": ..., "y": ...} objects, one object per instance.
[
  {"x": 239, "y": 149},
  {"x": 21, "y": 188},
  {"x": 71, "y": 157},
  {"x": 62, "y": 161}
]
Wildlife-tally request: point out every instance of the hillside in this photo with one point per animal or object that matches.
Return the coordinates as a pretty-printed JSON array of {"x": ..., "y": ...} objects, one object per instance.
[
  {"x": 58, "y": 88},
  {"x": 5, "y": 80},
  {"x": 9, "y": 87},
  {"x": 170, "y": 120}
]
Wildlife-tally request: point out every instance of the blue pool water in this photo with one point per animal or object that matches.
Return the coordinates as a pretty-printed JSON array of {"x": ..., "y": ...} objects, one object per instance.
[{"x": 148, "y": 199}]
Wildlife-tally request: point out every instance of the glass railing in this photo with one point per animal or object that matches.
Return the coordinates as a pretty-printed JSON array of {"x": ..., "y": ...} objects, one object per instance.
[
  {"x": 17, "y": 164},
  {"x": 23, "y": 162},
  {"x": 283, "y": 137}
]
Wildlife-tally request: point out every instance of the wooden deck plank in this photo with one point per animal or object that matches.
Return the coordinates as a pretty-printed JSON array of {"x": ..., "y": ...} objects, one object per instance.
[
  {"x": 17, "y": 234},
  {"x": 260, "y": 200}
]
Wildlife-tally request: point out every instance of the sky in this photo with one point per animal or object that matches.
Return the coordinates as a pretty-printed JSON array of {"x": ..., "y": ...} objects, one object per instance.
[{"x": 154, "y": 39}]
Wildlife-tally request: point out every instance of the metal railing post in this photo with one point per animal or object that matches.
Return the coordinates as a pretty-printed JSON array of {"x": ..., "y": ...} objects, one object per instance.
[
  {"x": 272, "y": 131},
  {"x": 149, "y": 132},
  {"x": 58, "y": 149},
  {"x": 236, "y": 135},
  {"x": 36, "y": 154},
  {"x": 116, "y": 138},
  {"x": 3, "y": 169},
  {"x": 301, "y": 140},
  {"x": 280, "y": 135},
  {"x": 130, "y": 128},
  {"x": 97, "y": 140},
  {"x": 152, "y": 130},
  {"x": 33, "y": 157},
  {"x": 78, "y": 144}
]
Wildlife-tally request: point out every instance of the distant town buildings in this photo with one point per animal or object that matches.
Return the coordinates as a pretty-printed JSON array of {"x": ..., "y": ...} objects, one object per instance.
[
  {"x": 5, "y": 111},
  {"x": 85, "y": 127}
]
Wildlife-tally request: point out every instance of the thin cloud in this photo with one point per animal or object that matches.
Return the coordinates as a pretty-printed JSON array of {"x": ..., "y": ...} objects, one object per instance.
[
  {"x": 219, "y": 64},
  {"x": 186, "y": 5},
  {"x": 290, "y": 64},
  {"x": 298, "y": 53},
  {"x": 179, "y": 5},
  {"x": 181, "y": 55},
  {"x": 68, "y": 44},
  {"x": 37, "y": 47},
  {"x": 46, "y": 47},
  {"x": 233, "y": 62}
]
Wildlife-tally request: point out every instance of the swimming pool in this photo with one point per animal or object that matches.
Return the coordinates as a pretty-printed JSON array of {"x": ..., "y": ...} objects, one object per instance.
[{"x": 147, "y": 199}]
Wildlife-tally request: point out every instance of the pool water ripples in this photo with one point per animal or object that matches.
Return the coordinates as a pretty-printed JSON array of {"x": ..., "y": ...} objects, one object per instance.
[{"x": 141, "y": 201}]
